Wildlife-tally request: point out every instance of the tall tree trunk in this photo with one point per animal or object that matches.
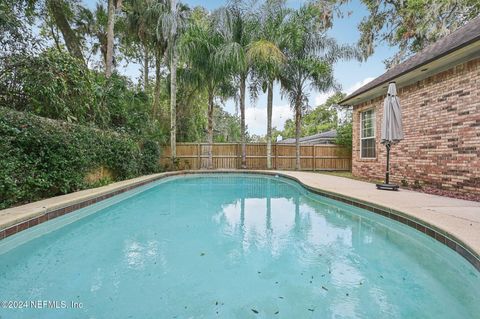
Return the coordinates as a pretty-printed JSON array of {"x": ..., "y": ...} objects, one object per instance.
[
  {"x": 210, "y": 129},
  {"x": 156, "y": 94},
  {"x": 146, "y": 62},
  {"x": 72, "y": 43},
  {"x": 55, "y": 38},
  {"x": 173, "y": 103},
  {"x": 298, "y": 127},
  {"x": 102, "y": 39},
  {"x": 110, "y": 25},
  {"x": 173, "y": 81},
  {"x": 243, "y": 81},
  {"x": 269, "y": 123}
]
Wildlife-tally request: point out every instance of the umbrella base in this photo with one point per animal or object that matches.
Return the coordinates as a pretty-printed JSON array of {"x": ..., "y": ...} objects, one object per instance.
[{"x": 389, "y": 187}]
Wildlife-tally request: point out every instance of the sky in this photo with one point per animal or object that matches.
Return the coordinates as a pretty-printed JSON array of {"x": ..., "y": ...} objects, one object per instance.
[{"x": 350, "y": 74}]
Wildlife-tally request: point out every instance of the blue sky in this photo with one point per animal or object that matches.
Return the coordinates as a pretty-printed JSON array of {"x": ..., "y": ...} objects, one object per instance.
[{"x": 350, "y": 74}]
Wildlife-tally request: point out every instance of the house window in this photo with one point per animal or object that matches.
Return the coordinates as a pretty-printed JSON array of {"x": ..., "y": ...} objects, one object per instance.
[{"x": 367, "y": 134}]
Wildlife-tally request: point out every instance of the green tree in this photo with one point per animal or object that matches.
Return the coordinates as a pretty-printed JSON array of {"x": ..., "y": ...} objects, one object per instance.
[
  {"x": 16, "y": 18},
  {"x": 94, "y": 24},
  {"x": 310, "y": 56},
  {"x": 237, "y": 28},
  {"x": 412, "y": 24},
  {"x": 113, "y": 5},
  {"x": 227, "y": 127},
  {"x": 265, "y": 53},
  {"x": 173, "y": 24},
  {"x": 140, "y": 29},
  {"x": 62, "y": 13},
  {"x": 202, "y": 45},
  {"x": 324, "y": 117}
]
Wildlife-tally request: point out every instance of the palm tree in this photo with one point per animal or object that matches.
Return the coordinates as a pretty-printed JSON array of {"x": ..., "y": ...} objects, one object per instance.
[
  {"x": 143, "y": 25},
  {"x": 265, "y": 53},
  {"x": 173, "y": 23},
  {"x": 94, "y": 24},
  {"x": 155, "y": 10},
  {"x": 60, "y": 11},
  {"x": 113, "y": 5},
  {"x": 310, "y": 56},
  {"x": 110, "y": 37},
  {"x": 139, "y": 30},
  {"x": 202, "y": 46},
  {"x": 237, "y": 28}
]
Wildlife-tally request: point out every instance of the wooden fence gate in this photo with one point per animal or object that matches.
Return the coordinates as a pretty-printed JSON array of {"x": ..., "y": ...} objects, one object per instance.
[{"x": 229, "y": 155}]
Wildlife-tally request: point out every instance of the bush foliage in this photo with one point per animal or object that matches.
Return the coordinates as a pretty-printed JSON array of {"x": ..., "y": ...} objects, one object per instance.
[
  {"x": 55, "y": 85},
  {"x": 42, "y": 158}
]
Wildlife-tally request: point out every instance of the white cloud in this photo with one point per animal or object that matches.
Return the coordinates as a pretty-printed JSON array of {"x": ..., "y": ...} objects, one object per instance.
[
  {"x": 358, "y": 85},
  {"x": 256, "y": 118},
  {"x": 321, "y": 98}
]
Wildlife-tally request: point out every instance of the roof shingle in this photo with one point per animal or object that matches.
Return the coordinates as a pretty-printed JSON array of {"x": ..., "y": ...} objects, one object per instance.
[{"x": 321, "y": 138}]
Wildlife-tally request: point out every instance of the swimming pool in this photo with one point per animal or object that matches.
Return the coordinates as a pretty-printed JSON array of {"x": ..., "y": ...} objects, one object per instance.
[{"x": 231, "y": 246}]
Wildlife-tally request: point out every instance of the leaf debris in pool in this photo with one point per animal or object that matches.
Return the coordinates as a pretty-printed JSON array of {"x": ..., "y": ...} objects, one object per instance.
[
  {"x": 310, "y": 309},
  {"x": 276, "y": 312},
  {"x": 202, "y": 254},
  {"x": 254, "y": 310},
  {"x": 325, "y": 288}
]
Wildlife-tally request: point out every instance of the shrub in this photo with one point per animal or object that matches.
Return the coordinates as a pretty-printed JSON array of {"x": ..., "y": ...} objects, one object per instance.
[
  {"x": 42, "y": 158},
  {"x": 344, "y": 135},
  {"x": 150, "y": 157},
  {"x": 53, "y": 84}
]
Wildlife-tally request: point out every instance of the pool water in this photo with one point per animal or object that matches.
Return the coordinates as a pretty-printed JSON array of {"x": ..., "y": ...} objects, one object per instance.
[{"x": 232, "y": 246}]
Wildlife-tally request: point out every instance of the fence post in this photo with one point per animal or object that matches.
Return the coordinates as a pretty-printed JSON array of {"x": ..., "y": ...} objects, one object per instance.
[
  {"x": 276, "y": 156},
  {"x": 314, "y": 159},
  {"x": 199, "y": 159},
  {"x": 239, "y": 156}
]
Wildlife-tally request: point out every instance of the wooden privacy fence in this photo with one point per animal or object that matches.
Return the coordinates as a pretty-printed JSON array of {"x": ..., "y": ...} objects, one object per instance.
[{"x": 229, "y": 155}]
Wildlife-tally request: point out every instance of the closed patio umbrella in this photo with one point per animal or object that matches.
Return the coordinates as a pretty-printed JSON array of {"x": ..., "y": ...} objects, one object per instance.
[{"x": 392, "y": 130}]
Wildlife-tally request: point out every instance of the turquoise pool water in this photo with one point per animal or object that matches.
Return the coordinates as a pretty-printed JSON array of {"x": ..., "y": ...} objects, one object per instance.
[{"x": 232, "y": 246}]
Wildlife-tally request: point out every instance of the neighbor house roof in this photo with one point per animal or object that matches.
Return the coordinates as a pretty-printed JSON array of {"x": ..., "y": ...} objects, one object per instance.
[
  {"x": 448, "y": 45},
  {"x": 321, "y": 138}
]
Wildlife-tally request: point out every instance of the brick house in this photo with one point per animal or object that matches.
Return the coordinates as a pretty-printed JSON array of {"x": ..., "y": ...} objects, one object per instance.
[{"x": 439, "y": 91}]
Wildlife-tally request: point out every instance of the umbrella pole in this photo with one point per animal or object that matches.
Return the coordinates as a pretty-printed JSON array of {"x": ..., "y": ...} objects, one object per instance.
[
  {"x": 387, "y": 173},
  {"x": 387, "y": 185}
]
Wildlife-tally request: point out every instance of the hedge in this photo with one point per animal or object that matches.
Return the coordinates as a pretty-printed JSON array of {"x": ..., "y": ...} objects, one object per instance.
[{"x": 41, "y": 158}]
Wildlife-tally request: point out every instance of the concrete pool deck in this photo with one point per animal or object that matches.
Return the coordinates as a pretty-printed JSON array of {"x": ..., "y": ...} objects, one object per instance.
[{"x": 456, "y": 219}]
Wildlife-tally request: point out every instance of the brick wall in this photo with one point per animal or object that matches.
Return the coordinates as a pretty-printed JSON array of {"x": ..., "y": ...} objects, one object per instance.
[{"x": 441, "y": 121}]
